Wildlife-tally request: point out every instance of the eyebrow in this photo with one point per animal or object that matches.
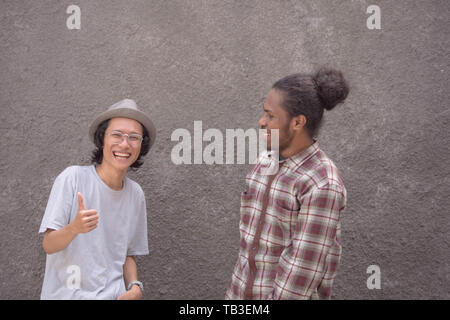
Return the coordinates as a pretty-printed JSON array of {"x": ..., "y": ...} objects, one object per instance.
[
  {"x": 266, "y": 110},
  {"x": 130, "y": 132}
]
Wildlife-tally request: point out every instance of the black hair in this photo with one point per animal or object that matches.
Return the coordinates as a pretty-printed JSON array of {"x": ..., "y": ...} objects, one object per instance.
[
  {"x": 309, "y": 95},
  {"x": 99, "y": 136}
]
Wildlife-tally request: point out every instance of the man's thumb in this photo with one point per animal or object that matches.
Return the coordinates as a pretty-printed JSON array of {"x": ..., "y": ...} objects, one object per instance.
[{"x": 80, "y": 202}]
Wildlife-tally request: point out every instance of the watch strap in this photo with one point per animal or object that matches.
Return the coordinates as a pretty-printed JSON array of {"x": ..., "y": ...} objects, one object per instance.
[{"x": 138, "y": 283}]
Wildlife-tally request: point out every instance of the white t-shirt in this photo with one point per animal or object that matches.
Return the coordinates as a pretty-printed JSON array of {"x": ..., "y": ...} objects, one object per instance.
[{"x": 91, "y": 266}]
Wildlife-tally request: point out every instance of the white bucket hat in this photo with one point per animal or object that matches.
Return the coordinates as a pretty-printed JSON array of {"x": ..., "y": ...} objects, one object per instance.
[{"x": 126, "y": 108}]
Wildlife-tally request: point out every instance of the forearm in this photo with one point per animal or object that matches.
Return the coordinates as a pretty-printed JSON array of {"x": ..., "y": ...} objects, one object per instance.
[
  {"x": 57, "y": 240},
  {"x": 129, "y": 270},
  {"x": 129, "y": 275},
  {"x": 295, "y": 280}
]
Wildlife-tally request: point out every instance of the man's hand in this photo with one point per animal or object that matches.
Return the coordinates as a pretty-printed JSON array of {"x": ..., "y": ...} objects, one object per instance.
[
  {"x": 134, "y": 293},
  {"x": 85, "y": 220}
]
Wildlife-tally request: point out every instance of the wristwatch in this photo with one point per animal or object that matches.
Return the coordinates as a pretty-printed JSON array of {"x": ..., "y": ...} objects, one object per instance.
[{"x": 138, "y": 283}]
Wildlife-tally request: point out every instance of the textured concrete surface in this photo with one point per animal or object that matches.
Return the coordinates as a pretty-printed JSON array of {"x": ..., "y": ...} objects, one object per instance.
[{"x": 215, "y": 61}]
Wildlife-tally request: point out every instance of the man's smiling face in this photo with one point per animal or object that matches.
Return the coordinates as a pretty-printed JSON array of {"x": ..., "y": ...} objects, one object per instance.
[{"x": 121, "y": 155}]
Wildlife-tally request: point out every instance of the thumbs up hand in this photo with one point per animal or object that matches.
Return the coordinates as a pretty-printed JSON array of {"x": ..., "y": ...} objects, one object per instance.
[{"x": 85, "y": 220}]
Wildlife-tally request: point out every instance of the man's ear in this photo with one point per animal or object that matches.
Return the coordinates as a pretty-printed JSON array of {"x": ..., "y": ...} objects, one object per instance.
[{"x": 299, "y": 122}]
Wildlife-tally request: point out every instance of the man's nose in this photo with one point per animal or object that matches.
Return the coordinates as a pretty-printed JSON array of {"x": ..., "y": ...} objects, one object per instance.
[
  {"x": 125, "y": 140},
  {"x": 262, "y": 122}
]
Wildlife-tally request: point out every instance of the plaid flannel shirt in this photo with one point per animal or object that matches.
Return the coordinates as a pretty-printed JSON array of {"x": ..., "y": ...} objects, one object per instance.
[{"x": 290, "y": 230}]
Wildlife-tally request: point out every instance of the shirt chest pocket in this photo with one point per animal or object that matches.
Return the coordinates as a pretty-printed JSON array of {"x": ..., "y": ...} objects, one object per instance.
[
  {"x": 287, "y": 209},
  {"x": 283, "y": 216}
]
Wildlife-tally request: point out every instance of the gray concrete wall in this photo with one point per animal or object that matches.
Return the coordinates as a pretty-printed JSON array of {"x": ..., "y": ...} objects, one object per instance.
[{"x": 215, "y": 61}]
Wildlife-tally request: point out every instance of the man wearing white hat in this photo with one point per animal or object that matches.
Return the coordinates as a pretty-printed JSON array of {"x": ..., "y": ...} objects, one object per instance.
[{"x": 95, "y": 221}]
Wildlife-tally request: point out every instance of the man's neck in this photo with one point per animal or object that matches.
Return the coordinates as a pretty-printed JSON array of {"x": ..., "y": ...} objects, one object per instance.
[
  {"x": 110, "y": 176},
  {"x": 297, "y": 146}
]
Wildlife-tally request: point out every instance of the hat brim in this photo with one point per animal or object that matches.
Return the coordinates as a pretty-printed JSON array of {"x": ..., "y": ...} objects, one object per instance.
[{"x": 125, "y": 113}]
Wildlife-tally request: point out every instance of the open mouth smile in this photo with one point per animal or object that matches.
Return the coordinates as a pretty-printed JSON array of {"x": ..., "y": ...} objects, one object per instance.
[{"x": 121, "y": 155}]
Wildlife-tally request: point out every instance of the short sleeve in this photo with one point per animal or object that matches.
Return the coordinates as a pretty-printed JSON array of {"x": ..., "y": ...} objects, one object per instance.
[
  {"x": 59, "y": 205},
  {"x": 138, "y": 242}
]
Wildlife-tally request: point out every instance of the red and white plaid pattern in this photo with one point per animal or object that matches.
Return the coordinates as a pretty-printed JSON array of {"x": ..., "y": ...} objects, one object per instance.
[{"x": 290, "y": 230}]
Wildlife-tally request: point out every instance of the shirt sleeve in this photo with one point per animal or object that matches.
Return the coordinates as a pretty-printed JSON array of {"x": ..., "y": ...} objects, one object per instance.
[
  {"x": 302, "y": 266},
  {"x": 59, "y": 205},
  {"x": 138, "y": 243}
]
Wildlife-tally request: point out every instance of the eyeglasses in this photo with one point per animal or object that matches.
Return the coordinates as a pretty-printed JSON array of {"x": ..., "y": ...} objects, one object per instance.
[{"x": 117, "y": 137}]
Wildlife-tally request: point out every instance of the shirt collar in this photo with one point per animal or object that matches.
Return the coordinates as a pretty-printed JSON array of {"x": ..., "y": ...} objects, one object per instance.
[
  {"x": 298, "y": 159},
  {"x": 265, "y": 161}
]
